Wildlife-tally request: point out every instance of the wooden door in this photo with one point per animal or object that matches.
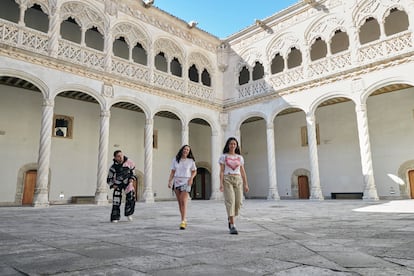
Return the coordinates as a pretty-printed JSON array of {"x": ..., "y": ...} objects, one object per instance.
[
  {"x": 411, "y": 180},
  {"x": 29, "y": 187},
  {"x": 303, "y": 187}
]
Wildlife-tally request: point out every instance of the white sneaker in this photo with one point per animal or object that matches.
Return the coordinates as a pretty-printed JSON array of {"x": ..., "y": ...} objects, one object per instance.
[
  {"x": 130, "y": 218},
  {"x": 114, "y": 221}
]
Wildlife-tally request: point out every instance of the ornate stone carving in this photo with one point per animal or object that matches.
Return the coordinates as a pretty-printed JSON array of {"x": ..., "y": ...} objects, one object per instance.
[
  {"x": 132, "y": 34},
  {"x": 111, "y": 8},
  {"x": 200, "y": 61},
  {"x": 86, "y": 16},
  {"x": 107, "y": 91},
  {"x": 170, "y": 48}
]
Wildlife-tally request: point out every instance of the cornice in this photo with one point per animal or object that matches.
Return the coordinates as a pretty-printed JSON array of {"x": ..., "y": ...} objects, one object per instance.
[{"x": 107, "y": 78}]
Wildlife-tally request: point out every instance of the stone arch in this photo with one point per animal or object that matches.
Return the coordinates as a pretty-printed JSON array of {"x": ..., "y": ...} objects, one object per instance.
[
  {"x": 20, "y": 181},
  {"x": 206, "y": 118},
  {"x": 44, "y": 5},
  {"x": 81, "y": 88},
  {"x": 315, "y": 104},
  {"x": 294, "y": 181},
  {"x": 323, "y": 27},
  {"x": 201, "y": 61},
  {"x": 170, "y": 48},
  {"x": 282, "y": 44},
  {"x": 44, "y": 89},
  {"x": 171, "y": 109},
  {"x": 365, "y": 10},
  {"x": 133, "y": 34},
  {"x": 85, "y": 15},
  {"x": 134, "y": 101},
  {"x": 382, "y": 83},
  {"x": 403, "y": 174},
  {"x": 250, "y": 115}
]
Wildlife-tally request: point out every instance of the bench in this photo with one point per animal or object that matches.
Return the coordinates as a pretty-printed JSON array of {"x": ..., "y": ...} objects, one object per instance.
[
  {"x": 347, "y": 195},
  {"x": 83, "y": 199}
]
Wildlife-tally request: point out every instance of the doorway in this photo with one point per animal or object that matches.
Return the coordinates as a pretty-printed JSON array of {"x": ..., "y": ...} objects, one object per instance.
[
  {"x": 29, "y": 187},
  {"x": 411, "y": 180},
  {"x": 201, "y": 188},
  {"x": 303, "y": 187}
]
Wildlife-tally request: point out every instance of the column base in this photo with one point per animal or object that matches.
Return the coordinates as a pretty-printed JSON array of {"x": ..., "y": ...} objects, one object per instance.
[
  {"x": 101, "y": 199},
  {"x": 148, "y": 197},
  {"x": 273, "y": 195},
  {"x": 216, "y": 195},
  {"x": 41, "y": 200}
]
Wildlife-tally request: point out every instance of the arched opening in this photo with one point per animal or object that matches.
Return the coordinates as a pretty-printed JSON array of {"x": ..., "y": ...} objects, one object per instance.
[
  {"x": 294, "y": 58},
  {"x": 396, "y": 22},
  {"x": 121, "y": 48},
  {"x": 160, "y": 62},
  {"x": 70, "y": 30},
  {"x": 244, "y": 75},
  {"x": 94, "y": 39},
  {"x": 139, "y": 55},
  {"x": 20, "y": 124},
  {"x": 193, "y": 73},
  {"x": 201, "y": 189},
  {"x": 318, "y": 49},
  {"x": 278, "y": 64},
  {"x": 10, "y": 11},
  {"x": 176, "y": 68},
  {"x": 205, "y": 78},
  {"x": 258, "y": 71},
  {"x": 36, "y": 19},
  {"x": 339, "y": 42},
  {"x": 369, "y": 31}
]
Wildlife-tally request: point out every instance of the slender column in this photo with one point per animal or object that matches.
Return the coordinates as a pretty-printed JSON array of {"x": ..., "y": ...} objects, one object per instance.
[
  {"x": 316, "y": 192},
  {"x": 148, "y": 196},
  {"x": 41, "y": 195},
  {"x": 370, "y": 190},
  {"x": 108, "y": 49},
  {"x": 83, "y": 34},
  {"x": 271, "y": 163},
  {"x": 355, "y": 45},
  {"x": 216, "y": 142},
  {"x": 23, "y": 8},
  {"x": 101, "y": 194},
  {"x": 54, "y": 30},
  {"x": 184, "y": 135}
]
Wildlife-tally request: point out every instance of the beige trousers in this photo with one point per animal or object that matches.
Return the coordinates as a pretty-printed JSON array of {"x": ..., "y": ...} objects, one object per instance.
[{"x": 233, "y": 194}]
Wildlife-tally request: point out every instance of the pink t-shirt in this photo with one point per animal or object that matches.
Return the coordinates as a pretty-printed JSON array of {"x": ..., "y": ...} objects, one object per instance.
[{"x": 231, "y": 163}]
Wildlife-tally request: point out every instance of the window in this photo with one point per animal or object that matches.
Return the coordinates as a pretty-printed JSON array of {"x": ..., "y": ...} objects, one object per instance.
[{"x": 62, "y": 126}]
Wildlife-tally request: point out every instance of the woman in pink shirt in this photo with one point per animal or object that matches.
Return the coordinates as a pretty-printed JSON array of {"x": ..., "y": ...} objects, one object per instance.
[{"x": 232, "y": 177}]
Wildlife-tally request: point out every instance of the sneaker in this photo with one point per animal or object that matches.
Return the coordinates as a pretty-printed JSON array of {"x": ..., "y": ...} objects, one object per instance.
[
  {"x": 130, "y": 218},
  {"x": 114, "y": 221},
  {"x": 183, "y": 225},
  {"x": 228, "y": 220},
  {"x": 233, "y": 231}
]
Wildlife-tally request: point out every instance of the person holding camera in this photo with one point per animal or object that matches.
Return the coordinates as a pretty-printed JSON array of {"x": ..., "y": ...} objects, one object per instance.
[{"x": 183, "y": 171}]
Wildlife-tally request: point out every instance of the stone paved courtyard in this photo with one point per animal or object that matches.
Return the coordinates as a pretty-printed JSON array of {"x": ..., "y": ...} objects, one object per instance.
[{"x": 287, "y": 237}]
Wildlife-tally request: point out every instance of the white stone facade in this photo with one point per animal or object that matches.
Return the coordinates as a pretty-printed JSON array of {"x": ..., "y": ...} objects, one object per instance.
[{"x": 319, "y": 91}]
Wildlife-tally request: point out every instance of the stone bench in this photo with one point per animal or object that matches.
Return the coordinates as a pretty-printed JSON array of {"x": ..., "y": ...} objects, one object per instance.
[
  {"x": 347, "y": 195},
  {"x": 83, "y": 199}
]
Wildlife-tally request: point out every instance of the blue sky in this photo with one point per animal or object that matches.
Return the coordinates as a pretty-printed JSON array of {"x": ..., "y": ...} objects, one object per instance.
[{"x": 223, "y": 17}]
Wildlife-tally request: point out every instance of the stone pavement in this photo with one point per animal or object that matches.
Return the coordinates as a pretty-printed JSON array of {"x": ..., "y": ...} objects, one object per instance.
[{"x": 287, "y": 237}]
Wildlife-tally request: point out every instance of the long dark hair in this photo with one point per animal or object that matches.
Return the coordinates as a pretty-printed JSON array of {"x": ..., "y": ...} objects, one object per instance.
[
  {"x": 180, "y": 153},
  {"x": 226, "y": 147}
]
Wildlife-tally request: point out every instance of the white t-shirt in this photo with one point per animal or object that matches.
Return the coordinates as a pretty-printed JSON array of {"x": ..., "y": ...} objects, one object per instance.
[
  {"x": 182, "y": 170},
  {"x": 231, "y": 163}
]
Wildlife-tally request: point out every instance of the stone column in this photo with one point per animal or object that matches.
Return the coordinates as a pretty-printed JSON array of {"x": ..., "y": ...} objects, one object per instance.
[
  {"x": 354, "y": 44},
  {"x": 184, "y": 134},
  {"x": 316, "y": 192},
  {"x": 54, "y": 30},
  {"x": 271, "y": 163},
  {"x": 370, "y": 190},
  {"x": 108, "y": 49},
  {"x": 23, "y": 8},
  {"x": 216, "y": 142},
  {"x": 101, "y": 194},
  {"x": 148, "y": 196},
  {"x": 41, "y": 195}
]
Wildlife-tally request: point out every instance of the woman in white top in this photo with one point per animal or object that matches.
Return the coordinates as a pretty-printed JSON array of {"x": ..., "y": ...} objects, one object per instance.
[
  {"x": 183, "y": 171},
  {"x": 232, "y": 177}
]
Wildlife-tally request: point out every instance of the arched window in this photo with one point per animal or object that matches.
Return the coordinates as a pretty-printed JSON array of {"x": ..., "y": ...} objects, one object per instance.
[
  {"x": 318, "y": 50},
  {"x": 36, "y": 19},
  {"x": 339, "y": 42},
  {"x": 258, "y": 71},
  {"x": 205, "y": 78},
  {"x": 396, "y": 22},
  {"x": 139, "y": 55},
  {"x": 120, "y": 48},
  {"x": 294, "y": 58},
  {"x": 176, "y": 68},
  {"x": 94, "y": 39},
  {"x": 370, "y": 31},
  {"x": 278, "y": 64},
  {"x": 193, "y": 73},
  {"x": 161, "y": 62},
  {"x": 244, "y": 76},
  {"x": 10, "y": 11},
  {"x": 70, "y": 30}
]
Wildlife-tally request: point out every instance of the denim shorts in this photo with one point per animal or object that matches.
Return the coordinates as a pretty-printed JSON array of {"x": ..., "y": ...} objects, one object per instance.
[{"x": 183, "y": 188}]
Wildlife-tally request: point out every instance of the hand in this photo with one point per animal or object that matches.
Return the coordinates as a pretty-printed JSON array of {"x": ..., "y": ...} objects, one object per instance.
[
  {"x": 246, "y": 188},
  {"x": 169, "y": 185},
  {"x": 221, "y": 188},
  {"x": 114, "y": 186}
]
